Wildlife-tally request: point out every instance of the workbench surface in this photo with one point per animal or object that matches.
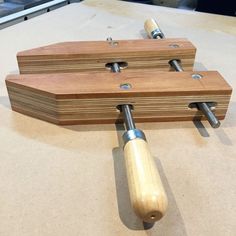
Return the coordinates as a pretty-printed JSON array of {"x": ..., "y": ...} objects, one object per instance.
[{"x": 67, "y": 181}]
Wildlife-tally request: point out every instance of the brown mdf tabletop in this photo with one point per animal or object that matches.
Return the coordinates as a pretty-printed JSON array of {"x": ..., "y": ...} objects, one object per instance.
[{"x": 70, "y": 180}]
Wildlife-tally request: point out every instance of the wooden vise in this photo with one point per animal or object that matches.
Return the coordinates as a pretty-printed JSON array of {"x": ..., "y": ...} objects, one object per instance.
[
  {"x": 89, "y": 93},
  {"x": 72, "y": 83}
]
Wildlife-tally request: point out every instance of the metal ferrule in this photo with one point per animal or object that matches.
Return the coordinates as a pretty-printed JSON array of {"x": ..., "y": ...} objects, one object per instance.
[
  {"x": 157, "y": 34},
  {"x": 133, "y": 134}
]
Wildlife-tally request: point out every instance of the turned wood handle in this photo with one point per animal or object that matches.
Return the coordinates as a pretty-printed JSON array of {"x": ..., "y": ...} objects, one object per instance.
[
  {"x": 151, "y": 26},
  {"x": 147, "y": 194}
]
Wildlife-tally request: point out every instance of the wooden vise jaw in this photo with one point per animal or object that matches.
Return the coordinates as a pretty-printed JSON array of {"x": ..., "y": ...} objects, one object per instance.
[
  {"x": 70, "y": 57},
  {"x": 69, "y": 83}
]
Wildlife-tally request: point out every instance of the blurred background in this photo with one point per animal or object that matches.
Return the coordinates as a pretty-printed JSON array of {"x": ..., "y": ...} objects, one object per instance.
[{"x": 223, "y": 7}]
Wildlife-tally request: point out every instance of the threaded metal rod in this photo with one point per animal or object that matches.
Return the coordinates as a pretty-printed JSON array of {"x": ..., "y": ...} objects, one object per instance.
[
  {"x": 176, "y": 65},
  {"x": 206, "y": 110},
  {"x": 202, "y": 106},
  {"x": 115, "y": 67},
  {"x": 125, "y": 109},
  {"x": 128, "y": 118}
]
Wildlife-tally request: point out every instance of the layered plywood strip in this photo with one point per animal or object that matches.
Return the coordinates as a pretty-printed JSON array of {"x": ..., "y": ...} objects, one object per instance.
[
  {"x": 84, "y": 98},
  {"x": 94, "y": 55}
]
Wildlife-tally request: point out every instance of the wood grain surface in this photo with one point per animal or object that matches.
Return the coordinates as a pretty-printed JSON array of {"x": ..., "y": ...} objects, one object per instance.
[
  {"x": 147, "y": 193},
  {"x": 94, "y": 55},
  {"x": 83, "y": 98}
]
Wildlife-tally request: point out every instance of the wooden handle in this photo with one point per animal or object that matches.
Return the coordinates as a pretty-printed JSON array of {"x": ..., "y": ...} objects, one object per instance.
[
  {"x": 147, "y": 193},
  {"x": 150, "y": 26}
]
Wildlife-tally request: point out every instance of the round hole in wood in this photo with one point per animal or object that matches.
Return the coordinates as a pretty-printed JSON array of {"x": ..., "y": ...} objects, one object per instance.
[{"x": 174, "y": 45}]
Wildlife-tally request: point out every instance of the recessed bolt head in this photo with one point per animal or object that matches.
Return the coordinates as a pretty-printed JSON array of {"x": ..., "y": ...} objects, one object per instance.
[
  {"x": 196, "y": 76},
  {"x": 125, "y": 86}
]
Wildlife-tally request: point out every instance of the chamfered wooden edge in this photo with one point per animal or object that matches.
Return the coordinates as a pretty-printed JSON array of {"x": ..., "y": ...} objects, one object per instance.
[
  {"x": 99, "y": 85},
  {"x": 84, "y": 48}
]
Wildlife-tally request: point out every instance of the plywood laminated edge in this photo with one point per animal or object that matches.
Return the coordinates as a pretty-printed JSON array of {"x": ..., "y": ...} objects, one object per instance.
[{"x": 84, "y": 98}]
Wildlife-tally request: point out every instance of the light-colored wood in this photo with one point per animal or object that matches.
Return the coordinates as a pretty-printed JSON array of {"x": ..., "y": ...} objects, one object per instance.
[
  {"x": 84, "y": 98},
  {"x": 147, "y": 194},
  {"x": 150, "y": 25},
  {"x": 94, "y": 55}
]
